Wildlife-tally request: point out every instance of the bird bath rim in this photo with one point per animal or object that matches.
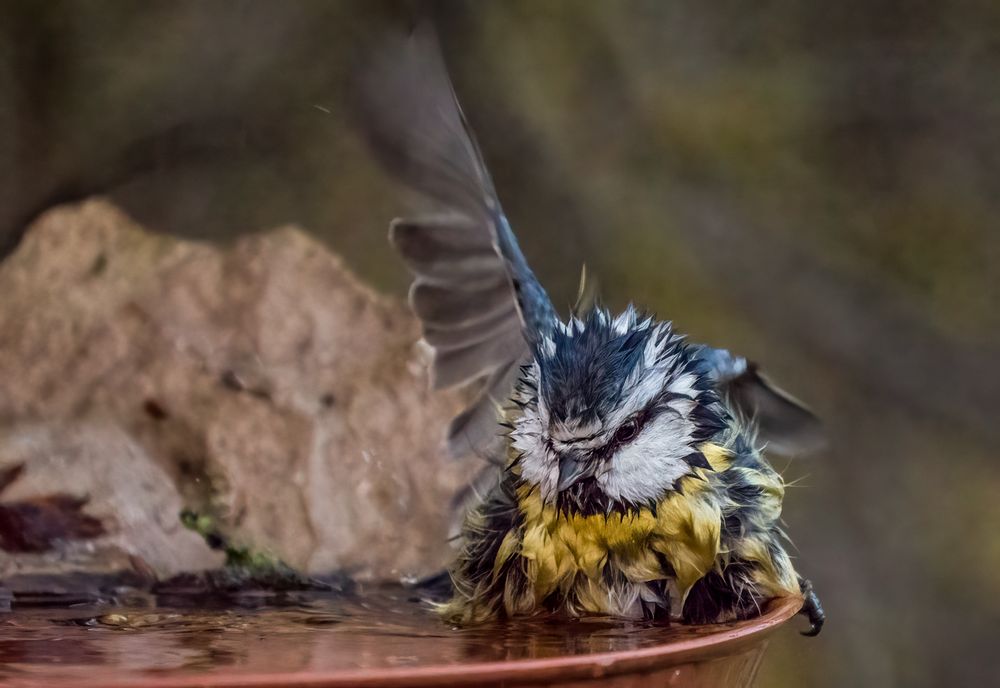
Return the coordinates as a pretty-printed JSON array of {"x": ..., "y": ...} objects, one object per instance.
[{"x": 730, "y": 640}]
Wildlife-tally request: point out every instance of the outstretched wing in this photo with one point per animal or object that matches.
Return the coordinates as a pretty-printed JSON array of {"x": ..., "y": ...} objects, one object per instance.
[
  {"x": 481, "y": 307},
  {"x": 784, "y": 424}
]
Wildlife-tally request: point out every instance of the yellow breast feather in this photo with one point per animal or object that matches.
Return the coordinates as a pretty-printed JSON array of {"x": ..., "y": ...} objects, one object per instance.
[{"x": 569, "y": 551}]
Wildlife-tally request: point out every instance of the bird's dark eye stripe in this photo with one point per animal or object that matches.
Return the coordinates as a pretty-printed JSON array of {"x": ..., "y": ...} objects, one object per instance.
[
  {"x": 631, "y": 428},
  {"x": 627, "y": 431}
]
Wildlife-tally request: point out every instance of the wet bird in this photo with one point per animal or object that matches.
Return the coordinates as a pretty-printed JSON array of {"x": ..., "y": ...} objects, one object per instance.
[{"x": 625, "y": 473}]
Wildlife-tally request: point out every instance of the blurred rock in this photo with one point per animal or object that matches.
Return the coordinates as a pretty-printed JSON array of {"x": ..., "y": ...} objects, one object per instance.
[
  {"x": 115, "y": 483},
  {"x": 262, "y": 384}
]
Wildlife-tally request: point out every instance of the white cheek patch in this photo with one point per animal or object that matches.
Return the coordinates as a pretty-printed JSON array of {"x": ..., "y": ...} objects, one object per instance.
[
  {"x": 648, "y": 466},
  {"x": 538, "y": 465}
]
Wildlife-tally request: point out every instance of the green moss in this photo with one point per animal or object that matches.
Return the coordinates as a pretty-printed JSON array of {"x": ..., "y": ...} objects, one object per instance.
[{"x": 245, "y": 567}]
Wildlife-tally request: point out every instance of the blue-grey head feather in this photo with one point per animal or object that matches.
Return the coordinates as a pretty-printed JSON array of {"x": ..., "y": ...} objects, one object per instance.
[
  {"x": 587, "y": 369},
  {"x": 583, "y": 372}
]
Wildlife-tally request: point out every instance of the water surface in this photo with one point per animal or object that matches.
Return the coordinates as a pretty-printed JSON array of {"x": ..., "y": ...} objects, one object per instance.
[{"x": 376, "y": 628}]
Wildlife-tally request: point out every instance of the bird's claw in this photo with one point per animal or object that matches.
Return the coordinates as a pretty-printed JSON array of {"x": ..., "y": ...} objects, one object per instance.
[{"x": 812, "y": 609}]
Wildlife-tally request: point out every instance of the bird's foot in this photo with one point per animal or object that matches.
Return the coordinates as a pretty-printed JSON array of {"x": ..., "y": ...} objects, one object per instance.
[{"x": 811, "y": 608}]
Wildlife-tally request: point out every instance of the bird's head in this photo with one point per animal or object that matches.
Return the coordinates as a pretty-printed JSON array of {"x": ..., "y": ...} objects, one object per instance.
[{"x": 613, "y": 410}]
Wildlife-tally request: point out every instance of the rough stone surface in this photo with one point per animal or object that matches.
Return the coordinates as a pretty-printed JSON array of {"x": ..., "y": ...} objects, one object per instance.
[{"x": 260, "y": 383}]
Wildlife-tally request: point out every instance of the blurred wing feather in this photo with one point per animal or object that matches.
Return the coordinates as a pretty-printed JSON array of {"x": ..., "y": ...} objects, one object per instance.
[
  {"x": 465, "y": 261},
  {"x": 784, "y": 424},
  {"x": 475, "y": 430}
]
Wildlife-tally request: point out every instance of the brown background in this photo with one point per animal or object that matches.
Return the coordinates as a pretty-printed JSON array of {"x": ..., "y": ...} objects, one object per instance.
[{"x": 811, "y": 184}]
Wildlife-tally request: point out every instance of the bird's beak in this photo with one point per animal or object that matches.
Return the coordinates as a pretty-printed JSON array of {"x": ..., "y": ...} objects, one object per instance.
[{"x": 572, "y": 469}]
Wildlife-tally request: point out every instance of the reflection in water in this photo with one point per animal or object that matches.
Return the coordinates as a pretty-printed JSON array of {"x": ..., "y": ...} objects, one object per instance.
[{"x": 379, "y": 628}]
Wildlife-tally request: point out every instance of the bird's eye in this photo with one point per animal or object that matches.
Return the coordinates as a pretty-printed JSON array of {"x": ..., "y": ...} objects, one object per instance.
[{"x": 627, "y": 432}]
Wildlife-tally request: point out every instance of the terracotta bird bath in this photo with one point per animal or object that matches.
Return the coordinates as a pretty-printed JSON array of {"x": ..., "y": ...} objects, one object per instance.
[{"x": 377, "y": 640}]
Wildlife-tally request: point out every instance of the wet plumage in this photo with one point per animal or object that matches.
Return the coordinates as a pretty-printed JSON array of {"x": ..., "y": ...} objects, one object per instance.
[{"x": 624, "y": 471}]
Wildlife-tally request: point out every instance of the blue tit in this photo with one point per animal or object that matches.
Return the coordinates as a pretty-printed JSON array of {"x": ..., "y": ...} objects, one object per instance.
[{"x": 625, "y": 473}]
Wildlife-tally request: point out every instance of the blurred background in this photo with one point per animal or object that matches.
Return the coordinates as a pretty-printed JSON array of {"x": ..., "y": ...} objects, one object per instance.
[{"x": 813, "y": 185}]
